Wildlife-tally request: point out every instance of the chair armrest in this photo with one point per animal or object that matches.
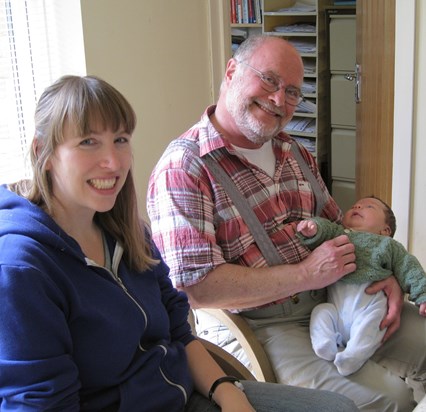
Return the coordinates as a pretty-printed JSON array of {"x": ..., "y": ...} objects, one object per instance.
[
  {"x": 246, "y": 337},
  {"x": 230, "y": 365},
  {"x": 421, "y": 406}
]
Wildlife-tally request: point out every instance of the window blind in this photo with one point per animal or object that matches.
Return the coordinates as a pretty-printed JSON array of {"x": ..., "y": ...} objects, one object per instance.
[{"x": 40, "y": 40}]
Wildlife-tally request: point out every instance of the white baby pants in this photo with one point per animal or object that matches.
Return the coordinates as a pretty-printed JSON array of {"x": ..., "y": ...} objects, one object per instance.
[{"x": 346, "y": 330}]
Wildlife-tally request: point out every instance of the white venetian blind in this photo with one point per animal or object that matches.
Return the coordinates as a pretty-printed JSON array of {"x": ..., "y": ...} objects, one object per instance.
[{"x": 40, "y": 40}]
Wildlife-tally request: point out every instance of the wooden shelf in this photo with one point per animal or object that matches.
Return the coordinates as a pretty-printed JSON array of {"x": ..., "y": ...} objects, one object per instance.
[
  {"x": 273, "y": 16},
  {"x": 248, "y": 25}
]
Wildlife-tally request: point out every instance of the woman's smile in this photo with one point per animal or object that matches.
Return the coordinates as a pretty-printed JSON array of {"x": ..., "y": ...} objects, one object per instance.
[{"x": 103, "y": 184}]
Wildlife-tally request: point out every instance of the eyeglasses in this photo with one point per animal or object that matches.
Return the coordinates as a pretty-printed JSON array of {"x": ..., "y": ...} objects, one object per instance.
[{"x": 272, "y": 84}]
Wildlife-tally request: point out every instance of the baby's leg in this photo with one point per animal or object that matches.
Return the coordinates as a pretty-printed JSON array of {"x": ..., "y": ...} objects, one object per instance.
[
  {"x": 323, "y": 329},
  {"x": 365, "y": 334}
]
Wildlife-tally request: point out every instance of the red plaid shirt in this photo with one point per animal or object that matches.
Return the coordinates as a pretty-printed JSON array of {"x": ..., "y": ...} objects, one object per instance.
[{"x": 194, "y": 222}]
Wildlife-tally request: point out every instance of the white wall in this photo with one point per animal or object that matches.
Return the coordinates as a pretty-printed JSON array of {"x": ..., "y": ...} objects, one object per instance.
[
  {"x": 417, "y": 239},
  {"x": 158, "y": 54}
]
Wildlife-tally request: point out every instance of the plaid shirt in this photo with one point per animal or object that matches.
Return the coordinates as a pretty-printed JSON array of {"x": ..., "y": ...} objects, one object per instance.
[{"x": 194, "y": 222}]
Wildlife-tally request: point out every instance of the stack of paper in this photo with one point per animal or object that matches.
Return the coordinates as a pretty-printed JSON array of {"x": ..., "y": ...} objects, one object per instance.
[
  {"x": 307, "y": 106},
  {"x": 299, "y": 7},
  {"x": 296, "y": 28},
  {"x": 309, "y": 87},
  {"x": 309, "y": 66},
  {"x": 301, "y": 124},
  {"x": 308, "y": 143},
  {"x": 305, "y": 46}
]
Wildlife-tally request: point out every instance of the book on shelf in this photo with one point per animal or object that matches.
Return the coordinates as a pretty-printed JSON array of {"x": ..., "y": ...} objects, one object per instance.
[
  {"x": 233, "y": 12},
  {"x": 246, "y": 11}
]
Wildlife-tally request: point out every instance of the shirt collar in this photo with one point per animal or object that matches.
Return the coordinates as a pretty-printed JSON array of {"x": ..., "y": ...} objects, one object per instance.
[{"x": 210, "y": 139}]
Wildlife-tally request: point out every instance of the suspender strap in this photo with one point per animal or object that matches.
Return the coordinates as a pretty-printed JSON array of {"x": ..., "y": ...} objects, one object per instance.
[
  {"x": 316, "y": 188},
  {"x": 261, "y": 238},
  {"x": 264, "y": 242}
]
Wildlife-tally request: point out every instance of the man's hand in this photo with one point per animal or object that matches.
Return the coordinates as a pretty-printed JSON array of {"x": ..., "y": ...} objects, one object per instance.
[
  {"x": 395, "y": 297},
  {"x": 329, "y": 262},
  {"x": 307, "y": 228}
]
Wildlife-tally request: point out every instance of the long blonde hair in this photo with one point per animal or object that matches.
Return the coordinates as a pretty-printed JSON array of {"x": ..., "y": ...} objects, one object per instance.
[{"x": 82, "y": 101}]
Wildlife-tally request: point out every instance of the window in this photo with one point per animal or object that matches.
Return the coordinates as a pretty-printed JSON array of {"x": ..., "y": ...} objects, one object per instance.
[{"x": 40, "y": 40}]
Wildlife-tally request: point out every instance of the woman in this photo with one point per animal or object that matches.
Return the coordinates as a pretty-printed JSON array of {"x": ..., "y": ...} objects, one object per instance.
[{"x": 89, "y": 318}]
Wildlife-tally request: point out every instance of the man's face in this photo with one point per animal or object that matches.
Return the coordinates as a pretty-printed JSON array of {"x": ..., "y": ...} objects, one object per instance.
[
  {"x": 260, "y": 115},
  {"x": 256, "y": 117}
]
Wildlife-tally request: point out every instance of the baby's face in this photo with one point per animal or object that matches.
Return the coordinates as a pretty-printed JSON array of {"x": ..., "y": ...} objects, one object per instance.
[{"x": 367, "y": 215}]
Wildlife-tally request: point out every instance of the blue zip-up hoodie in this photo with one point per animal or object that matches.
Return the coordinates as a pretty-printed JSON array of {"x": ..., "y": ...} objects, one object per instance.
[{"x": 75, "y": 336}]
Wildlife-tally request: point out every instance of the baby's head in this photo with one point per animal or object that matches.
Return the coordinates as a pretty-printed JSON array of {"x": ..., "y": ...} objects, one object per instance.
[{"x": 371, "y": 214}]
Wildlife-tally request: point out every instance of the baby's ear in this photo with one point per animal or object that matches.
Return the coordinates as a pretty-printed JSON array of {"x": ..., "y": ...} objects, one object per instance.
[{"x": 386, "y": 231}]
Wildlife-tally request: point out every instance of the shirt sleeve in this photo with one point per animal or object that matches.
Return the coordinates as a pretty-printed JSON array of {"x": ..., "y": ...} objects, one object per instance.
[
  {"x": 408, "y": 271},
  {"x": 181, "y": 212}
]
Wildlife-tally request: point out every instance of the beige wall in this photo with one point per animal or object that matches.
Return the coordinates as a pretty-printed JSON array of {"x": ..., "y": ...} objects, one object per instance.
[
  {"x": 417, "y": 244},
  {"x": 167, "y": 59},
  {"x": 158, "y": 54}
]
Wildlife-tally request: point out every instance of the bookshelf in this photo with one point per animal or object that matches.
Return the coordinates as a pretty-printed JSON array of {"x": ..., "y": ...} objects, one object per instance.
[
  {"x": 306, "y": 29},
  {"x": 245, "y": 18}
]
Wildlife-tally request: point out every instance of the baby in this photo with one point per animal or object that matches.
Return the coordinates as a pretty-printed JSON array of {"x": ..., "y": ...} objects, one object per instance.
[{"x": 346, "y": 329}]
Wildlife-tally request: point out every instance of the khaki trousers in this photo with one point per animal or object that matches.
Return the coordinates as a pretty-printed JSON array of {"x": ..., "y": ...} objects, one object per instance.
[{"x": 379, "y": 386}]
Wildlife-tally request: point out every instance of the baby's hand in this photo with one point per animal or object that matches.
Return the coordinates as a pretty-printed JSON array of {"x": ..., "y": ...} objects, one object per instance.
[
  {"x": 422, "y": 309},
  {"x": 307, "y": 228}
]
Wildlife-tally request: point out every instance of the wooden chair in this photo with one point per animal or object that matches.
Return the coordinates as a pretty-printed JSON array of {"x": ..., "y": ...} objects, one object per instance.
[
  {"x": 230, "y": 365},
  {"x": 259, "y": 361},
  {"x": 421, "y": 407}
]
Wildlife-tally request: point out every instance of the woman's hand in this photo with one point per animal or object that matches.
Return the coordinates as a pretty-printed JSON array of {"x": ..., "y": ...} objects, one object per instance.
[
  {"x": 205, "y": 371},
  {"x": 232, "y": 399}
]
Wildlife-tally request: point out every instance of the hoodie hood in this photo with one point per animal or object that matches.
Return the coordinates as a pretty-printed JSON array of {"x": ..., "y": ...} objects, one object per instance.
[{"x": 20, "y": 217}]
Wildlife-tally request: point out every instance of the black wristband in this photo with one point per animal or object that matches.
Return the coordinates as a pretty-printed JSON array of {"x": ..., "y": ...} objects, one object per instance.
[{"x": 217, "y": 382}]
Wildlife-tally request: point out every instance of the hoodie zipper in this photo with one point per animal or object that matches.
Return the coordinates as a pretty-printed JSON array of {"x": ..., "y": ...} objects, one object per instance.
[
  {"x": 176, "y": 385},
  {"x": 118, "y": 280},
  {"x": 118, "y": 252}
]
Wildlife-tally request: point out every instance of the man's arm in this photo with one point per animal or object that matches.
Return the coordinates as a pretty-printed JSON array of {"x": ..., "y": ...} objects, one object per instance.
[{"x": 237, "y": 287}]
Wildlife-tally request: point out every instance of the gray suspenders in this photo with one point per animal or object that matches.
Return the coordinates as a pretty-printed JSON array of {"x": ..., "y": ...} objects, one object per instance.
[{"x": 262, "y": 239}]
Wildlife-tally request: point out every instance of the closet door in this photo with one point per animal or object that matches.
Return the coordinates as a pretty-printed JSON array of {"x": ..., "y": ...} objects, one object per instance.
[{"x": 375, "y": 55}]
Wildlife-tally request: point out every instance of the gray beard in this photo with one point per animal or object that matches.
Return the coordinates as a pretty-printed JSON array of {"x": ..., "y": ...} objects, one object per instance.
[{"x": 238, "y": 108}]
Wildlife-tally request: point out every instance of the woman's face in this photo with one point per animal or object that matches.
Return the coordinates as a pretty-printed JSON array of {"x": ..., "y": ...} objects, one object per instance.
[{"x": 88, "y": 172}]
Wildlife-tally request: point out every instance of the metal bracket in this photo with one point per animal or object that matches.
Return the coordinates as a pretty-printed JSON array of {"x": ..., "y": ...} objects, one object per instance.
[{"x": 358, "y": 83}]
